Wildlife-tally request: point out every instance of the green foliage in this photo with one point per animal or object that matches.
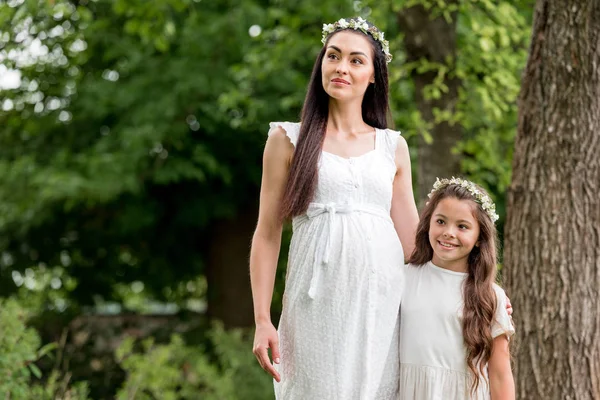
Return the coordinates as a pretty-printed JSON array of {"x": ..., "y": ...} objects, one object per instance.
[
  {"x": 145, "y": 123},
  {"x": 492, "y": 41},
  {"x": 142, "y": 126},
  {"x": 19, "y": 351},
  {"x": 176, "y": 371},
  {"x": 124, "y": 188}
]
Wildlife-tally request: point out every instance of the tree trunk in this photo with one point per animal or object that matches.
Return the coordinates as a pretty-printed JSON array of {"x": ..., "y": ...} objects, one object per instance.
[
  {"x": 552, "y": 255},
  {"x": 434, "y": 40},
  {"x": 229, "y": 293}
]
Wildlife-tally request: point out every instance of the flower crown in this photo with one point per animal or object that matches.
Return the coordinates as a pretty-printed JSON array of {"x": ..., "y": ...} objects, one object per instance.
[
  {"x": 362, "y": 25},
  {"x": 481, "y": 198}
]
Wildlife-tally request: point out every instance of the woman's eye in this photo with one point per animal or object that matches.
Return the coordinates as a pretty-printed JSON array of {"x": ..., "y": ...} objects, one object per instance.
[
  {"x": 357, "y": 61},
  {"x": 332, "y": 56}
]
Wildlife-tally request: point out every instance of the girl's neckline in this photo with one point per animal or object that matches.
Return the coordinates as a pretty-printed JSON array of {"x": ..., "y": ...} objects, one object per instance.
[
  {"x": 447, "y": 271},
  {"x": 373, "y": 150}
]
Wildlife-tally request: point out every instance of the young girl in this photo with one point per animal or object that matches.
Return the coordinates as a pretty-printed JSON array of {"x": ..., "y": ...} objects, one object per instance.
[{"x": 455, "y": 327}]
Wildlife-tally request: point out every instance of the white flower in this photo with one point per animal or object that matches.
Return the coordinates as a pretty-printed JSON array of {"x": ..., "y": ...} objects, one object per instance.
[
  {"x": 484, "y": 200},
  {"x": 358, "y": 24}
]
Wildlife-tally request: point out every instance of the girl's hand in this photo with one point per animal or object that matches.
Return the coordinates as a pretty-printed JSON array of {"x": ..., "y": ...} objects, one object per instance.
[{"x": 265, "y": 337}]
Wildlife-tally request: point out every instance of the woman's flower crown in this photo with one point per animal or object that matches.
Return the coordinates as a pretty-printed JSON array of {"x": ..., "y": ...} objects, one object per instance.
[
  {"x": 483, "y": 199},
  {"x": 362, "y": 25}
]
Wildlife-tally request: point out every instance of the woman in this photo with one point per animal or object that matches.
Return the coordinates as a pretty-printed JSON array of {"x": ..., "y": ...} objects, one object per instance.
[{"x": 345, "y": 181}]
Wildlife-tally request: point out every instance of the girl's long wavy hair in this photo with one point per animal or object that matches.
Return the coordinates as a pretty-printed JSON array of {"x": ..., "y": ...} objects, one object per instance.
[
  {"x": 302, "y": 180},
  {"x": 478, "y": 292}
]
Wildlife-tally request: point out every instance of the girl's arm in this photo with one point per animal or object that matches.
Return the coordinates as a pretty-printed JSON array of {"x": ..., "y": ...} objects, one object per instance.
[
  {"x": 404, "y": 210},
  {"x": 502, "y": 384},
  {"x": 266, "y": 244}
]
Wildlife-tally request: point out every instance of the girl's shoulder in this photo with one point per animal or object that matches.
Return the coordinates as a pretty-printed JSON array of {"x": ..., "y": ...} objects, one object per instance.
[
  {"x": 502, "y": 324},
  {"x": 415, "y": 269},
  {"x": 500, "y": 293}
]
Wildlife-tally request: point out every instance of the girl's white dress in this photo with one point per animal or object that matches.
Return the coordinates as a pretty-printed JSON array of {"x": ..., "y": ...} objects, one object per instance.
[
  {"x": 432, "y": 354},
  {"x": 338, "y": 330}
]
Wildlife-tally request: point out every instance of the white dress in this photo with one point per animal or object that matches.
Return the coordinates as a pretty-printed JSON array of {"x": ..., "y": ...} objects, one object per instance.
[
  {"x": 432, "y": 354},
  {"x": 339, "y": 326}
]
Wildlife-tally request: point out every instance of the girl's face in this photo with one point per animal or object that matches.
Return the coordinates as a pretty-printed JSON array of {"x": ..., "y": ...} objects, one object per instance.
[
  {"x": 453, "y": 232},
  {"x": 347, "y": 67}
]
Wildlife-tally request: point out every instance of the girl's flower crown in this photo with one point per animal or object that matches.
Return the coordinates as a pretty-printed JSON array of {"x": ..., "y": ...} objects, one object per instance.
[
  {"x": 362, "y": 25},
  {"x": 483, "y": 199}
]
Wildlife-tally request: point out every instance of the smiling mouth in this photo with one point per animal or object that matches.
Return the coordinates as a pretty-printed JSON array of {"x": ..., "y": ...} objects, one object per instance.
[
  {"x": 447, "y": 245},
  {"x": 340, "y": 81}
]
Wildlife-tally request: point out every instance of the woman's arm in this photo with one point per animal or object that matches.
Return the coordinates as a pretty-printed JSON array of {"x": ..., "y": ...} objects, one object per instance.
[
  {"x": 404, "y": 210},
  {"x": 266, "y": 244},
  {"x": 502, "y": 385}
]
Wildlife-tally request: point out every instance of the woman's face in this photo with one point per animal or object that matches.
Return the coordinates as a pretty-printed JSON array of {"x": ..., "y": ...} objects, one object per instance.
[{"x": 347, "y": 67}]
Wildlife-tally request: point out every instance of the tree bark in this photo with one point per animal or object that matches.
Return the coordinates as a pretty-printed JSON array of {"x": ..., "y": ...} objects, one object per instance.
[
  {"x": 552, "y": 237},
  {"x": 434, "y": 40},
  {"x": 229, "y": 293}
]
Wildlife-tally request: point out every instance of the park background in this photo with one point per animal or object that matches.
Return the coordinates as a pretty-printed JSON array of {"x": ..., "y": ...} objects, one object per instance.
[{"x": 131, "y": 137}]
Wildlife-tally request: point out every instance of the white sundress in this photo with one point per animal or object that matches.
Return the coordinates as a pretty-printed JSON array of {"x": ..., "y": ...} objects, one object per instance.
[
  {"x": 339, "y": 326},
  {"x": 432, "y": 353}
]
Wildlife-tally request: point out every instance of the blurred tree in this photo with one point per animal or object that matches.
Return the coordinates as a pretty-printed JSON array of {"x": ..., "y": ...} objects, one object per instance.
[
  {"x": 552, "y": 234},
  {"x": 464, "y": 59},
  {"x": 130, "y": 152},
  {"x": 127, "y": 157},
  {"x": 430, "y": 41},
  {"x": 98, "y": 178}
]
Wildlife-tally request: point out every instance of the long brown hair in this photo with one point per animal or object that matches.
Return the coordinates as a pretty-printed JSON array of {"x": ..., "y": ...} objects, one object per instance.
[
  {"x": 478, "y": 292},
  {"x": 302, "y": 180}
]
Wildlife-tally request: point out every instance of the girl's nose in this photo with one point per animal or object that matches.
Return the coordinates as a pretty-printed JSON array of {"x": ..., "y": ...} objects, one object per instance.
[{"x": 449, "y": 233}]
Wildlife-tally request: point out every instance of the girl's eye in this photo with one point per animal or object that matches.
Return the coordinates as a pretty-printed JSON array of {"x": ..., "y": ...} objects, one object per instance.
[
  {"x": 439, "y": 221},
  {"x": 463, "y": 227}
]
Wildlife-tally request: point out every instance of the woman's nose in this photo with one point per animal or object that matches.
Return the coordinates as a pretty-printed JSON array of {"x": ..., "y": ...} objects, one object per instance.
[{"x": 342, "y": 68}]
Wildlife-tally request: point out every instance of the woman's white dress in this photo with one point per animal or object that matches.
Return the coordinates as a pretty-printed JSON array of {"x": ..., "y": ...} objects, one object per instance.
[
  {"x": 339, "y": 325},
  {"x": 432, "y": 355}
]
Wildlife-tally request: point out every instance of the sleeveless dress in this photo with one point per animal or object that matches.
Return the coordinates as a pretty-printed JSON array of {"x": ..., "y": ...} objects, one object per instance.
[{"x": 339, "y": 326}]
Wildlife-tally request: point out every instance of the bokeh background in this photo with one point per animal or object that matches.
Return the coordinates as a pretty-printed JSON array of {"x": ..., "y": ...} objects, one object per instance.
[{"x": 131, "y": 136}]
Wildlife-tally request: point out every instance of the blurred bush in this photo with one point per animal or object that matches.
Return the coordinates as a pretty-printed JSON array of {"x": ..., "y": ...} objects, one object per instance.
[
  {"x": 19, "y": 351},
  {"x": 224, "y": 369}
]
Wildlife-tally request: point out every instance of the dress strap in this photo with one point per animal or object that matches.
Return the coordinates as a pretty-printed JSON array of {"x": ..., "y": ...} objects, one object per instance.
[
  {"x": 387, "y": 141},
  {"x": 292, "y": 130}
]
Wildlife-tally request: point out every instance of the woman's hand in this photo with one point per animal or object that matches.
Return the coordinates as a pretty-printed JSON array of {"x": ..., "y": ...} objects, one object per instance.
[
  {"x": 509, "y": 309},
  {"x": 266, "y": 338}
]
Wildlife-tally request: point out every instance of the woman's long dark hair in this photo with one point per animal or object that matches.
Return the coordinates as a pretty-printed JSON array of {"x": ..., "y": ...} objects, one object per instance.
[
  {"x": 478, "y": 292},
  {"x": 302, "y": 180}
]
